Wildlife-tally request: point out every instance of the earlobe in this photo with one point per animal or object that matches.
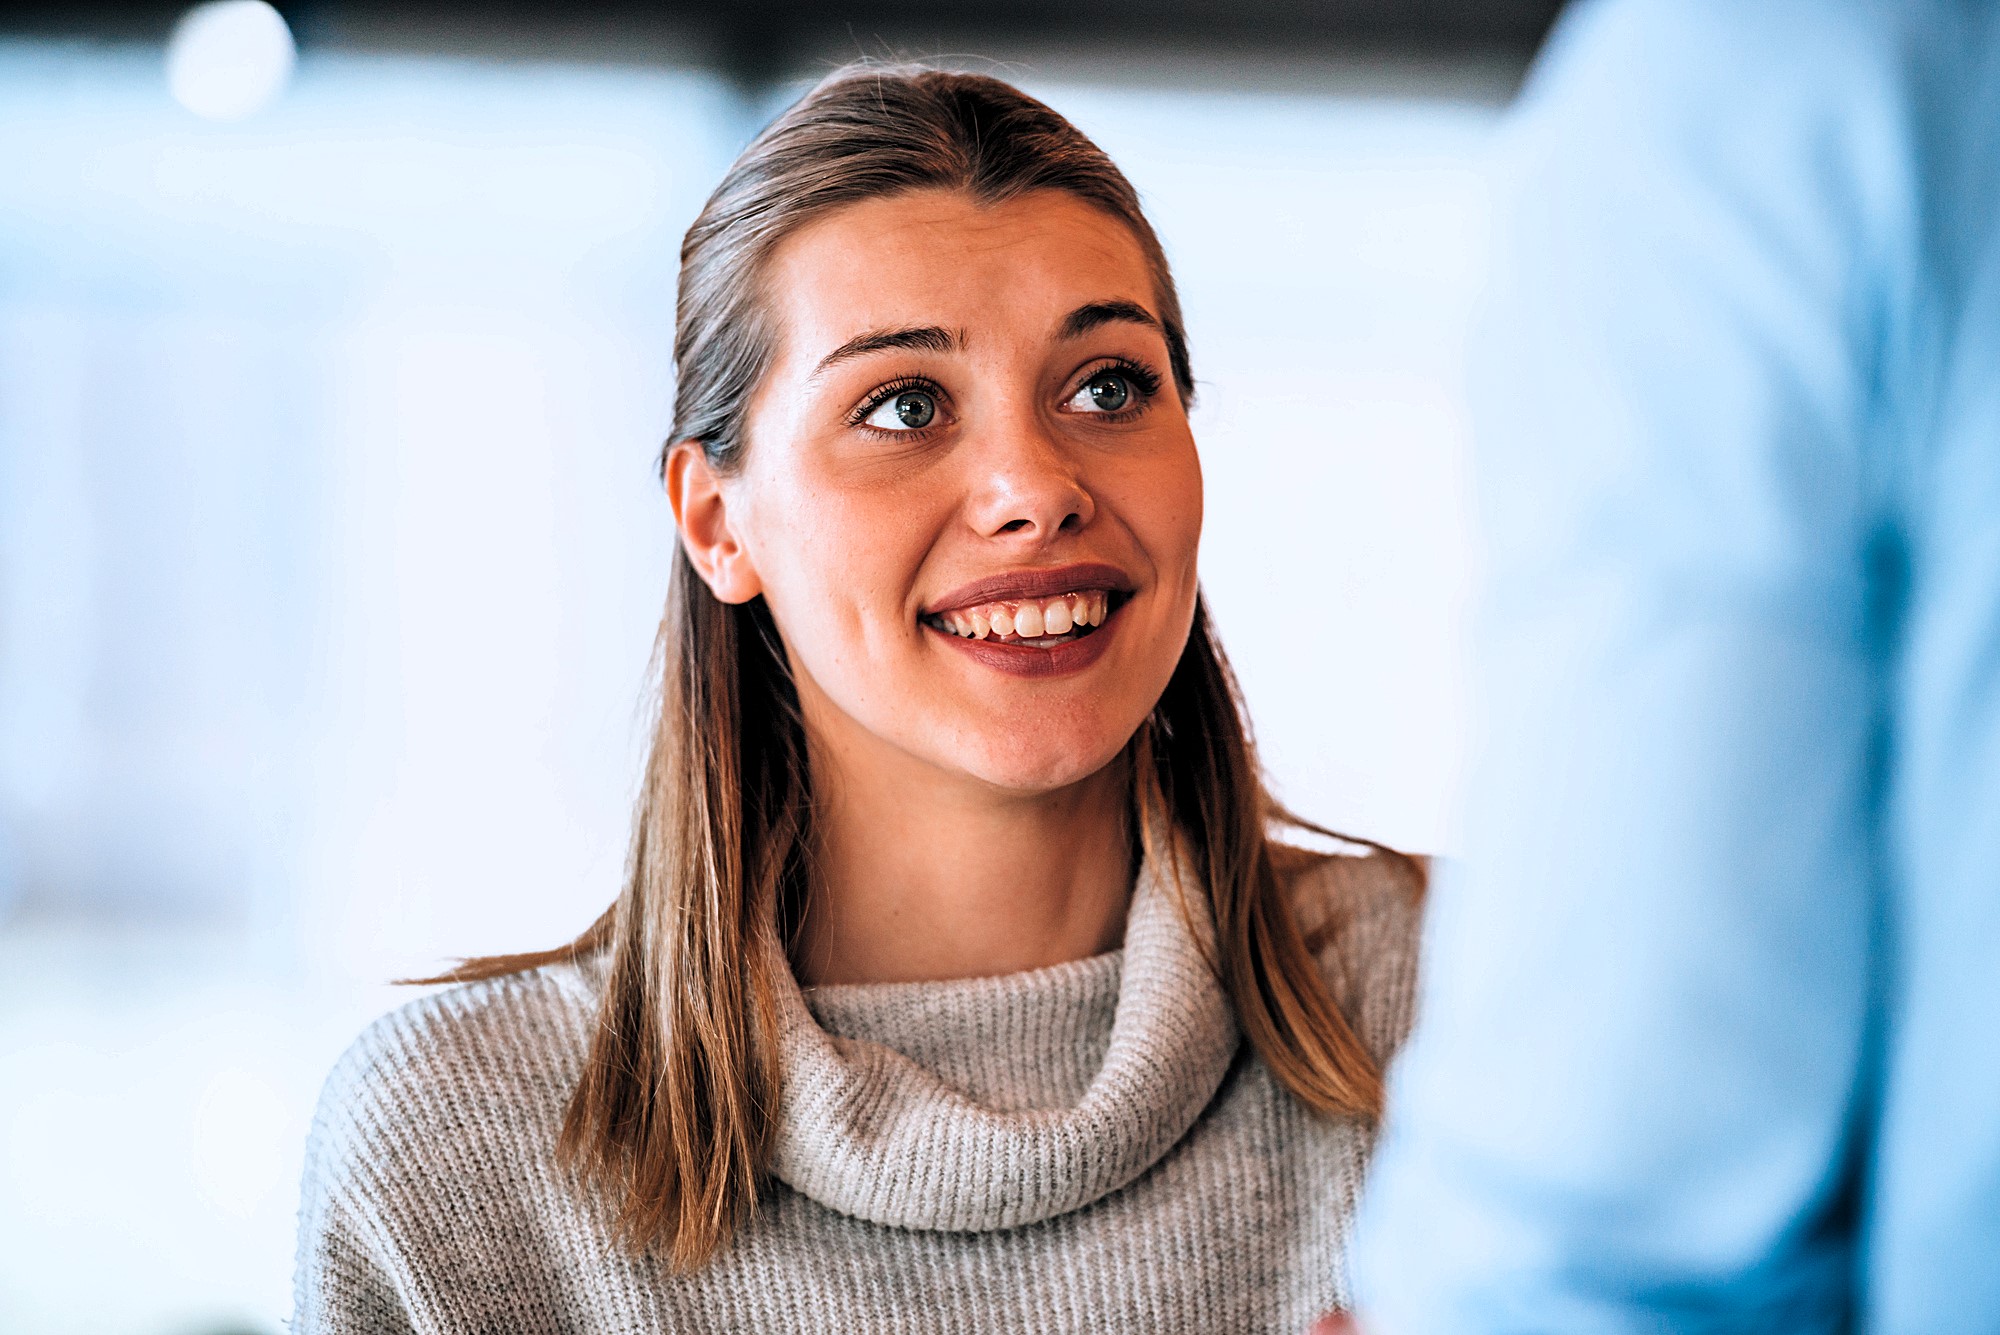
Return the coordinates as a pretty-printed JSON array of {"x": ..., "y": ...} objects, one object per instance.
[{"x": 702, "y": 514}]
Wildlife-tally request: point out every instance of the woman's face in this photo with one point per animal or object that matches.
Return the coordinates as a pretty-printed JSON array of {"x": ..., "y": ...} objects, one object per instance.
[{"x": 969, "y": 493}]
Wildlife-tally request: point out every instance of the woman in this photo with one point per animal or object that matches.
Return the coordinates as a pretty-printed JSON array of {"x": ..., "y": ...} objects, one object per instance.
[{"x": 956, "y": 982}]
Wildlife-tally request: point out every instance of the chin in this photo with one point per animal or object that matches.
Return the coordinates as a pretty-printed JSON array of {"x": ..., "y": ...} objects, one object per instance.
[{"x": 1045, "y": 768}]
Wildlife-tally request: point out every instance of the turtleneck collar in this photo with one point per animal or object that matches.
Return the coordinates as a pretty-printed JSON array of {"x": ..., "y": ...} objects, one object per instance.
[{"x": 989, "y": 1103}]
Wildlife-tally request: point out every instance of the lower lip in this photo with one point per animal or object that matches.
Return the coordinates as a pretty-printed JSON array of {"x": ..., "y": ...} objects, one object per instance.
[{"x": 1025, "y": 660}]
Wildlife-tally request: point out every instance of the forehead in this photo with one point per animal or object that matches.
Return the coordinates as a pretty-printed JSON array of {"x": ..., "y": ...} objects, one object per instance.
[{"x": 940, "y": 258}]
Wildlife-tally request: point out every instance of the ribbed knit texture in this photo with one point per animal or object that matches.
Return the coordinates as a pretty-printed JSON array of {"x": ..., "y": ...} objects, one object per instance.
[
  {"x": 1028, "y": 1040},
  {"x": 870, "y": 1132},
  {"x": 1088, "y": 1147}
]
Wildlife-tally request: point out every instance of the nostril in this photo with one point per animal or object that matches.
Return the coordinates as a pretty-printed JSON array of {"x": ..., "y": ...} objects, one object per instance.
[
  {"x": 1071, "y": 522},
  {"x": 1014, "y": 526}
]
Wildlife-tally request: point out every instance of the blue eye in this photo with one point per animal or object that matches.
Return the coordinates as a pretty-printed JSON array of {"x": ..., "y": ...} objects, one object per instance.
[
  {"x": 911, "y": 410},
  {"x": 1105, "y": 392}
]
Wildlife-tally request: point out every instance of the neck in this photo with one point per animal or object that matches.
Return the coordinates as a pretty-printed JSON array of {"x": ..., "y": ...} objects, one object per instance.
[{"x": 920, "y": 878}]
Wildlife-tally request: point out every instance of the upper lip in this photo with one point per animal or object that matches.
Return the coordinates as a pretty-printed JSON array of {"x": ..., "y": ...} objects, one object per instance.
[{"x": 1045, "y": 582}]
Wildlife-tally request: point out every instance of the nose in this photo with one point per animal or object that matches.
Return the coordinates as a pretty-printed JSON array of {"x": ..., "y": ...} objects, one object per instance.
[{"x": 1027, "y": 486}]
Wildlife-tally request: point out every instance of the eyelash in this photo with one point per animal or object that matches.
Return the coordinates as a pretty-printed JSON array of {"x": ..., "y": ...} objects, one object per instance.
[
  {"x": 900, "y": 385},
  {"x": 1144, "y": 378}
]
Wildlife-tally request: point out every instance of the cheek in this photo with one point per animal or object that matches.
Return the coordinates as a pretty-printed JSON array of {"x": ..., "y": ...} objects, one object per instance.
[
  {"x": 838, "y": 564},
  {"x": 1188, "y": 503},
  {"x": 1163, "y": 508}
]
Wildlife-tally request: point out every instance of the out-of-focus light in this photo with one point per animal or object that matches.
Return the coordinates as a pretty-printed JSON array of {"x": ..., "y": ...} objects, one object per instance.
[{"x": 228, "y": 59}]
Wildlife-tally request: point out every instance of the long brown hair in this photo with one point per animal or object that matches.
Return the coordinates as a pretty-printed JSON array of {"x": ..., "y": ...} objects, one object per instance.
[{"x": 674, "y": 1114}]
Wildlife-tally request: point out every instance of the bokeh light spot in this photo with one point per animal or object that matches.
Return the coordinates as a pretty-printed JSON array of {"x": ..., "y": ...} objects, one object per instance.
[{"x": 228, "y": 59}]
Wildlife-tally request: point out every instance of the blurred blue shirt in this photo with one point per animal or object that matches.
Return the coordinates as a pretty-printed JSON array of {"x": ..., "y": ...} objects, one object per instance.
[{"x": 1711, "y": 1026}]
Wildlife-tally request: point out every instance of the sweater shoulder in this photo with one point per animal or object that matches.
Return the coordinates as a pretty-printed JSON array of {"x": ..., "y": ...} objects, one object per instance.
[
  {"x": 443, "y": 1112},
  {"x": 1362, "y": 920},
  {"x": 473, "y": 1075}
]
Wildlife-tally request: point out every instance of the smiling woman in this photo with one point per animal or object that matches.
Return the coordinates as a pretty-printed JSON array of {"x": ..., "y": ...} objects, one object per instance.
[{"x": 959, "y": 979}]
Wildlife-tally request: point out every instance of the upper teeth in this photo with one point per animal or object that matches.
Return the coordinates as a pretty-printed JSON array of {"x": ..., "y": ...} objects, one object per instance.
[{"x": 1028, "y": 620}]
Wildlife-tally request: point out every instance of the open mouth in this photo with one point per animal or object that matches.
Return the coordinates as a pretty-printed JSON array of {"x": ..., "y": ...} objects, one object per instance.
[{"x": 1034, "y": 623}]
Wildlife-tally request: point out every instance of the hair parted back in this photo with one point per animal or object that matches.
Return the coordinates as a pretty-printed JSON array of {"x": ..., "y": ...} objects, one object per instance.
[{"x": 674, "y": 1115}]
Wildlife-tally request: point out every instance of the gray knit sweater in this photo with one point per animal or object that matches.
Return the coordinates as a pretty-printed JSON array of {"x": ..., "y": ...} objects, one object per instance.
[{"x": 1089, "y": 1147}]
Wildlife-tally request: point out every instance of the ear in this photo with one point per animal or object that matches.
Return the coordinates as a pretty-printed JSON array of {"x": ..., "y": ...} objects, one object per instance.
[{"x": 701, "y": 512}]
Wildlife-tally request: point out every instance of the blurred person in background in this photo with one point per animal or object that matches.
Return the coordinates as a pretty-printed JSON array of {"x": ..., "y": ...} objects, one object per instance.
[
  {"x": 1710, "y": 1033},
  {"x": 958, "y": 981}
]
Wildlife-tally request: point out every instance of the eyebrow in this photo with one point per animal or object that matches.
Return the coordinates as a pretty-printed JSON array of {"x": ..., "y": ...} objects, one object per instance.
[
  {"x": 923, "y": 338},
  {"x": 936, "y": 338},
  {"x": 1097, "y": 313}
]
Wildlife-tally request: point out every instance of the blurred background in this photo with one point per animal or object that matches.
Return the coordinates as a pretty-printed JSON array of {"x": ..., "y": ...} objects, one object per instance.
[{"x": 334, "y": 358}]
